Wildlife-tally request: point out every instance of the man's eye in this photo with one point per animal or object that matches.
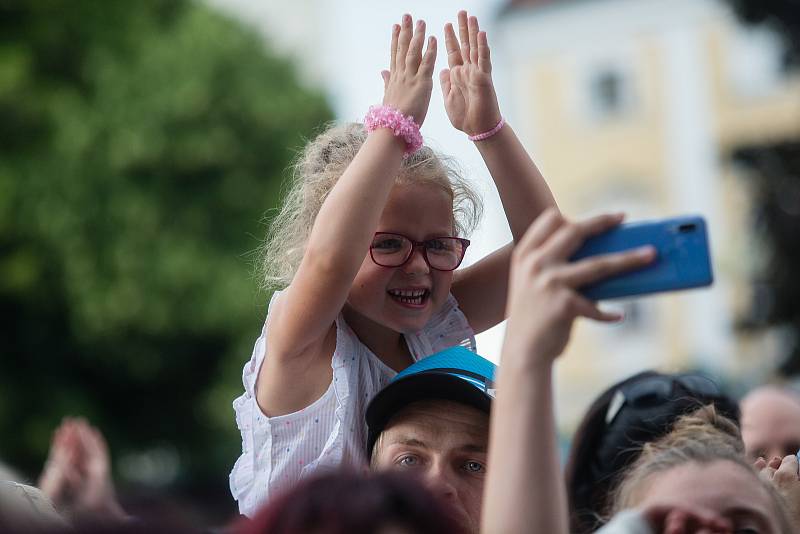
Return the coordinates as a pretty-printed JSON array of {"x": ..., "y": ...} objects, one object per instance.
[
  {"x": 408, "y": 461},
  {"x": 474, "y": 467}
]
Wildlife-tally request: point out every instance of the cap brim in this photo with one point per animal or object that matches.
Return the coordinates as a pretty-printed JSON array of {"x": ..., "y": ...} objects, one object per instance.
[{"x": 423, "y": 386}]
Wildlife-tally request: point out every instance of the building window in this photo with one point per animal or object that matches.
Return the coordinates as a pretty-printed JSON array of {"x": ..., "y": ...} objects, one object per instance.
[
  {"x": 606, "y": 94},
  {"x": 610, "y": 94}
]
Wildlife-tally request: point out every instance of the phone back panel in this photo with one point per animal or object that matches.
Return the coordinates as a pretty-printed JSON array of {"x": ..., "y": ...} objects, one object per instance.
[{"x": 682, "y": 262}]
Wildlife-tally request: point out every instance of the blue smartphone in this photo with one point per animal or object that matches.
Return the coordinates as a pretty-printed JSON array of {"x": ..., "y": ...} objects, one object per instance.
[{"x": 682, "y": 262}]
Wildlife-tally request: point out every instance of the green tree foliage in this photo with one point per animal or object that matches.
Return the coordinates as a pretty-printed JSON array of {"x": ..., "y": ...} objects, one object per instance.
[
  {"x": 775, "y": 171},
  {"x": 140, "y": 145}
]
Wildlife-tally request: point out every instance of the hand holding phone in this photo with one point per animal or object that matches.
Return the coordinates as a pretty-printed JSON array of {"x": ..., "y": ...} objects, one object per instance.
[{"x": 682, "y": 261}]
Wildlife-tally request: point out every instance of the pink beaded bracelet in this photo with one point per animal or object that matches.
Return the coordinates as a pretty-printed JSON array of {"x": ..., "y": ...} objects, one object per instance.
[
  {"x": 402, "y": 126},
  {"x": 486, "y": 135}
]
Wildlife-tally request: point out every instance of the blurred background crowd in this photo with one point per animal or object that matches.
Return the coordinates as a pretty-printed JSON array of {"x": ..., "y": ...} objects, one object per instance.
[{"x": 143, "y": 145}]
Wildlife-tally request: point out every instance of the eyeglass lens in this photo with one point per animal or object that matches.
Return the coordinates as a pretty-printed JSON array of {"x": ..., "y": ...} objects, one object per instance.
[{"x": 393, "y": 250}]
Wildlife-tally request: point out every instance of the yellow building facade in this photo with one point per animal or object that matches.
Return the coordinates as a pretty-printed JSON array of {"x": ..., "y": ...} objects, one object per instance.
[{"x": 637, "y": 105}]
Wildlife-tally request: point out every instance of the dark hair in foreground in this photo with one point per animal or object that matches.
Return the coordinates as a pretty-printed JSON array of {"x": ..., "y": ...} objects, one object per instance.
[{"x": 346, "y": 502}]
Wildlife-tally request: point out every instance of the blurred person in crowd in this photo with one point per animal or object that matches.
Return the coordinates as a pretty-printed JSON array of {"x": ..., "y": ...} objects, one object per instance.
[
  {"x": 637, "y": 410},
  {"x": 771, "y": 422},
  {"x": 349, "y": 502},
  {"x": 696, "y": 479},
  {"x": 76, "y": 492},
  {"x": 24, "y": 508},
  {"x": 365, "y": 251}
]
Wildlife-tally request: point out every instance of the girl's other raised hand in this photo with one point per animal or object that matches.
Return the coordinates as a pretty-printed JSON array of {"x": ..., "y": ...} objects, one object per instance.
[
  {"x": 409, "y": 81},
  {"x": 469, "y": 95}
]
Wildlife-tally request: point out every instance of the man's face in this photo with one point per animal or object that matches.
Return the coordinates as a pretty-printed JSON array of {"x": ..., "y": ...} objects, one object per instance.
[
  {"x": 770, "y": 423},
  {"x": 445, "y": 444}
]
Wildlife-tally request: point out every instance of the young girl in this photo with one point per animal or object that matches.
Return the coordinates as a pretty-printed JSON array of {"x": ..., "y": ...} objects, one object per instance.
[{"x": 367, "y": 245}]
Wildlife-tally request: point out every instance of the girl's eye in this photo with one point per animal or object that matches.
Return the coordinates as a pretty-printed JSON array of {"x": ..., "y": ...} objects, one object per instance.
[
  {"x": 408, "y": 461},
  {"x": 474, "y": 467},
  {"x": 443, "y": 244},
  {"x": 388, "y": 244},
  {"x": 436, "y": 244}
]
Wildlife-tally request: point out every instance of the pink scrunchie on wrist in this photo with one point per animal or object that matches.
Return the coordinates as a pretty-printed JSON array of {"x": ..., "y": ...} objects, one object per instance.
[{"x": 401, "y": 125}]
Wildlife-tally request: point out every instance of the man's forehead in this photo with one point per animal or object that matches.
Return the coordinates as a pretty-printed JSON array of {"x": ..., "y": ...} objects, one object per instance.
[{"x": 423, "y": 420}]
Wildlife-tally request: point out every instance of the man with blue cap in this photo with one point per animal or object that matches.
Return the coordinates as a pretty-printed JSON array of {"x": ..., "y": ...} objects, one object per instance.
[{"x": 433, "y": 420}]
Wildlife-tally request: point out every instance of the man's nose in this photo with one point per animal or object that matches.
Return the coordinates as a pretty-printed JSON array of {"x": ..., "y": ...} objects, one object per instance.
[{"x": 440, "y": 481}]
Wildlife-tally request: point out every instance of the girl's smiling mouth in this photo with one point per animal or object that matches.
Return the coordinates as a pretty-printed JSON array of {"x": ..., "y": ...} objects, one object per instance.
[{"x": 411, "y": 297}]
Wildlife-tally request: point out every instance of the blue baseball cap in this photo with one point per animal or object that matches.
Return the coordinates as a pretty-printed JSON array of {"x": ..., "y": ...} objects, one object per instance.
[{"x": 455, "y": 374}]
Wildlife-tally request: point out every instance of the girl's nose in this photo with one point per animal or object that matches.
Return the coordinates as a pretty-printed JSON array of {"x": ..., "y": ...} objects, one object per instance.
[{"x": 416, "y": 264}]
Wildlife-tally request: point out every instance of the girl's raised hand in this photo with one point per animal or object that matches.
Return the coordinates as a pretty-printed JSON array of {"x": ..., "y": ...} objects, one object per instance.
[
  {"x": 409, "y": 81},
  {"x": 469, "y": 95}
]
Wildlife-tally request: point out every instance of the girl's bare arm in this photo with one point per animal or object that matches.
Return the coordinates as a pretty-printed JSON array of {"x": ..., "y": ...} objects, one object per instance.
[
  {"x": 301, "y": 323},
  {"x": 472, "y": 107}
]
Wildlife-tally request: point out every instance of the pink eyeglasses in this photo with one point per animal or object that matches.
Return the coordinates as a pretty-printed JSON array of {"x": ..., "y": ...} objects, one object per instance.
[{"x": 440, "y": 253}]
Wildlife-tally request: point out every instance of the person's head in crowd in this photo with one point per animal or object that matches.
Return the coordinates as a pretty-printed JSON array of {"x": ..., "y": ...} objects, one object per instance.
[
  {"x": 637, "y": 410},
  {"x": 771, "y": 422},
  {"x": 25, "y": 508},
  {"x": 344, "y": 502},
  {"x": 700, "y": 466},
  {"x": 432, "y": 421}
]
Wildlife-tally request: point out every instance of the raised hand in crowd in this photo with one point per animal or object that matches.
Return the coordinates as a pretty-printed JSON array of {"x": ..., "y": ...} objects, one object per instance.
[
  {"x": 408, "y": 83},
  {"x": 524, "y": 488},
  {"x": 782, "y": 473},
  {"x": 467, "y": 87},
  {"x": 77, "y": 475}
]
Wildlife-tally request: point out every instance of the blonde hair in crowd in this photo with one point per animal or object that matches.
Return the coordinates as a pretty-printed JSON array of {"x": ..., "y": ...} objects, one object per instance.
[
  {"x": 701, "y": 437},
  {"x": 315, "y": 173}
]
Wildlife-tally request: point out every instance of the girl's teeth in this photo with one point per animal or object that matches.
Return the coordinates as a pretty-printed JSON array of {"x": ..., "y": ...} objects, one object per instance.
[{"x": 415, "y": 296}]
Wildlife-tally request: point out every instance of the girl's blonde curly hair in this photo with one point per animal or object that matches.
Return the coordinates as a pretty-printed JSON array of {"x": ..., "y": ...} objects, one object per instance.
[{"x": 316, "y": 171}]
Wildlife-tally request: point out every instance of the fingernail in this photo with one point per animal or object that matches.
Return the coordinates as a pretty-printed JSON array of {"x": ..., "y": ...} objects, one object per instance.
[{"x": 646, "y": 251}]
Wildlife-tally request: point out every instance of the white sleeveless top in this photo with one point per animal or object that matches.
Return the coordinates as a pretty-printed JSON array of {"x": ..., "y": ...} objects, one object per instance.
[{"x": 331, "y": 432}]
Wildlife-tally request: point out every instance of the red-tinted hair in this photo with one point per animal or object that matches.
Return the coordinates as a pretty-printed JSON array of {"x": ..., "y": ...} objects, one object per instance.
[{"x": 345, "y": 502}]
